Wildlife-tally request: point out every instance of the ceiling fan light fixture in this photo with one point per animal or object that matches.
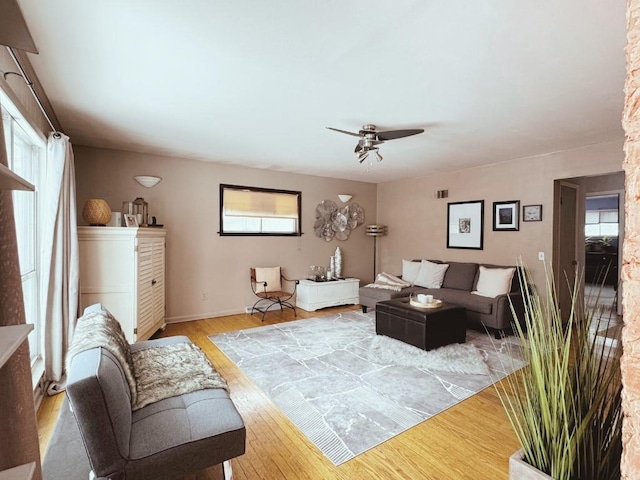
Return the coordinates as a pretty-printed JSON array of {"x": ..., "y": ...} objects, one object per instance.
[{"x": 370, "y": 137}]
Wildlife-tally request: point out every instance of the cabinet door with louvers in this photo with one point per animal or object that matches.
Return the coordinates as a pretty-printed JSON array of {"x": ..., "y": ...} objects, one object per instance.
[
  {"x": 150, "y": 286},
  {"x": 158, "y": 282},
  {"x": 145, "y": 290}
]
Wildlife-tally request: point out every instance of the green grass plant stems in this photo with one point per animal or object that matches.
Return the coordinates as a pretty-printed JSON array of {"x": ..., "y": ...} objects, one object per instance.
[{"x": 565, "y": 405}]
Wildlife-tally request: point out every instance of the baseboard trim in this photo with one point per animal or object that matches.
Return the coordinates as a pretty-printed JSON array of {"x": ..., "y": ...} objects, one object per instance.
[{"x": 202, "y": 316}]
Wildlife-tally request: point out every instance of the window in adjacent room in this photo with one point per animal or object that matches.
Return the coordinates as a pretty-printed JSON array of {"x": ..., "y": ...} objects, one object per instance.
[
  {"x": 25, "y": 152},
  {"x": 601, "y": 216},
  {"x": 259, "y": 211}
]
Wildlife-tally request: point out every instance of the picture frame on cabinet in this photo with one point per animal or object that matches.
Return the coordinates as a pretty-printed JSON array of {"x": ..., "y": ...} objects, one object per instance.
[{"x": 130, "y": 221}]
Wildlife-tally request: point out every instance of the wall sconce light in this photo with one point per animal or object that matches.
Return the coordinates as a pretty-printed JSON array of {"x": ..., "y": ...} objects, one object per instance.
[
  {"x": 345, "y": 198},
  {"x": 147, "y": 181}
]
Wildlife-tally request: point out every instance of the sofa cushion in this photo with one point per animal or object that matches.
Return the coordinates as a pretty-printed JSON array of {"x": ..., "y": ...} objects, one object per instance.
[
  {"x": 494, "y": 281},
  {"x": 460, "y": 276},
  {"x": 515, "y": 282},
  {"x": 473, "y": 303},
  {"x": 375, "y": 295},
  {"x": 205, "y": 427},
  {"x": 410, "y": 270},
  {"x": 431, "y": 274}
]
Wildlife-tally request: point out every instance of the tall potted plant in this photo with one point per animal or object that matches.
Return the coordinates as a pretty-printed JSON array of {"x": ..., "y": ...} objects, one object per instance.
[{"x": 565, "y": 406}]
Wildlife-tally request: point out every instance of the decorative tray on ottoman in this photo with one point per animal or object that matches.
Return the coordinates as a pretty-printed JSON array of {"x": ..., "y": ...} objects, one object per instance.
[{"x": 435, "y": 304}]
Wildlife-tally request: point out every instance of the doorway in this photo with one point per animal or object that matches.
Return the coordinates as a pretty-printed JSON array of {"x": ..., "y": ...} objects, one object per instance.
[{"x": 604, "y": 228}]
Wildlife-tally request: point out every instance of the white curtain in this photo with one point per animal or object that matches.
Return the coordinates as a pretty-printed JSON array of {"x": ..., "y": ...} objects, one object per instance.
[{"x": 60, "y": 264}]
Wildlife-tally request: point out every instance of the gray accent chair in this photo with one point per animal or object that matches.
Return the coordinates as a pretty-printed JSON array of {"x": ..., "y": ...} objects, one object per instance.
[{"x": 164, "y": 440}]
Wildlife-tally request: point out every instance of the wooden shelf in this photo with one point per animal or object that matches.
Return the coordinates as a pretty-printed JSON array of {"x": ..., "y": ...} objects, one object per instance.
[
  {"x": 11, "y": 181},
  {"x": 23, "y": 472},
  {"x": 11, "y": 337}
]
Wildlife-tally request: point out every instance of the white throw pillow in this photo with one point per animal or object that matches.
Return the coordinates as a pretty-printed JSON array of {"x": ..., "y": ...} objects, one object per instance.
[
  {"x": 494, "y": 281},
  {"x": 431, "y": 274},
  {"x": 271, "y": 275},
  {"x": 410, "y": 271}
]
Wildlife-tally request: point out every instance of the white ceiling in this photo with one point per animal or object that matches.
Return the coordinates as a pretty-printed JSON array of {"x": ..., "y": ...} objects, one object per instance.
[{"x": 255, "y": 83}]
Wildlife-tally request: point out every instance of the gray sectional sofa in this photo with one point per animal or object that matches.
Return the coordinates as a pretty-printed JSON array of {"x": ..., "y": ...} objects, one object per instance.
[{"x": 461, "y": 278}]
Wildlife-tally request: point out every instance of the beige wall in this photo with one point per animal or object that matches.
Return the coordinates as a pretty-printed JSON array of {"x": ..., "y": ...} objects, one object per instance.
[
  {"x": 198, "y": 259},
  {"x": 417, "y": 221}
]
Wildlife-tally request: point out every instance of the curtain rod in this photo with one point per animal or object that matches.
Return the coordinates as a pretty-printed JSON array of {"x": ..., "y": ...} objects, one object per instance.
[{"x": 29, "y": 83}]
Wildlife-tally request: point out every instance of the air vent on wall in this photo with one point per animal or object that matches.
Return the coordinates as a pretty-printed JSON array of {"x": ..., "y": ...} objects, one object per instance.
[{"x": 441, "y": 194}]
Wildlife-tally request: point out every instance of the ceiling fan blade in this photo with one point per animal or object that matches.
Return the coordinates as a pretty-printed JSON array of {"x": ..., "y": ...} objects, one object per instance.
[
  {"x": 344, "y": 131},
  {"x": 393, "y": 134}
]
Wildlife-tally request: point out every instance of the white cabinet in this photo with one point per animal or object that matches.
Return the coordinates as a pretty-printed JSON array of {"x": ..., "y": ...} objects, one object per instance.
[
  {"x": 124, "y": 268},
  {"x": 314, "y": 295}
]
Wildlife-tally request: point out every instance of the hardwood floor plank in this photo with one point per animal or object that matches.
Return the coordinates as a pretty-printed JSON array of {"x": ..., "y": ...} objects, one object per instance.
[{"x": 471, "y": 440}]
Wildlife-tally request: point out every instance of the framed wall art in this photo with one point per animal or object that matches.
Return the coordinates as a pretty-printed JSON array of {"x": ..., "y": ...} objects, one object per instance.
[
  {"x": 465, "y": 224},
  {"x": 506, "y": 216},
  {"x": 532, "y": 213}
]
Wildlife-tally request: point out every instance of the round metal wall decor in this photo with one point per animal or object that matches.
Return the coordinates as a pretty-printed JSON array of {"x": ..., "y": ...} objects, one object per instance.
[
  {"x": 333, "y": 222},
  {"x": 354, "y": 214}
]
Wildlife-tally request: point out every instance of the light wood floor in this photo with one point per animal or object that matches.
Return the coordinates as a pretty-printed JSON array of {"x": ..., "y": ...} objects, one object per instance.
[{"x": 472, "y": 440}]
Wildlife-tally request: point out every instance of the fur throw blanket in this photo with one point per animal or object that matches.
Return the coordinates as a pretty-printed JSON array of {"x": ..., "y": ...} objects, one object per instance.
[
  {"x": 170, "y": 370},
  {"x": 152, "y": 373},
  {"x": 387, "y": 281},
  {"x": 101, "y": 329}
]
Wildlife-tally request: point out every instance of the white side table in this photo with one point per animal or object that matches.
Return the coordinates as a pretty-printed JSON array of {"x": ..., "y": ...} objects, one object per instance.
[{"x": 312, "y": 295}]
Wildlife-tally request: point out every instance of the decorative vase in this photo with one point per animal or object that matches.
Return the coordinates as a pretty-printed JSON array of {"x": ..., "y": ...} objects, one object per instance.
[
  {"x": 96, "y": 212},
  {"x": 521, "y": 470},
  {"x": 338, "y": 263}
]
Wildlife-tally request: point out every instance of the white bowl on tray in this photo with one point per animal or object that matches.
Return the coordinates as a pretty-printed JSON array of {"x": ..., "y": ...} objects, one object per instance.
[{"x": 435, "y": 303}]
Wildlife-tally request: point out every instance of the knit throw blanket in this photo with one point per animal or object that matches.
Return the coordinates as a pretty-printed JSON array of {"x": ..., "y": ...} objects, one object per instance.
[
  {"x": 387, "y": 281},
  {"x": 152, "y": 373}
]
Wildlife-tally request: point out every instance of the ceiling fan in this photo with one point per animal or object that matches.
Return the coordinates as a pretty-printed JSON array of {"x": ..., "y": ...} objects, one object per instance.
[{"x": 370, "y": 138}]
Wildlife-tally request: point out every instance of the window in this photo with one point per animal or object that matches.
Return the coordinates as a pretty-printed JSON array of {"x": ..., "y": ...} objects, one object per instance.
[
  {"x": 259, "y": 211},
  {"x": 601, "y": 216},
  {"x": 25, "y": 151}
]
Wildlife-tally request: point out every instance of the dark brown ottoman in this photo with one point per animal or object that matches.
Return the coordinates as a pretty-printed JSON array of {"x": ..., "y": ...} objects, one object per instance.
[{"x": 425, "y": 328}]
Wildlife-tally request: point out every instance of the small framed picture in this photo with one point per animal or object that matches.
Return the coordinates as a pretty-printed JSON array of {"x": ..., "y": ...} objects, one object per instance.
[
  {"x": 532, "y": 213},
  {"x": 506, "y": 216},
  {"x": 130, "y": 221}
]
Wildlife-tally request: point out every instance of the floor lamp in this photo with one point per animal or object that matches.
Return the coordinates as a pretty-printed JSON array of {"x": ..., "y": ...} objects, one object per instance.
[{"x": 375, "y": 231}]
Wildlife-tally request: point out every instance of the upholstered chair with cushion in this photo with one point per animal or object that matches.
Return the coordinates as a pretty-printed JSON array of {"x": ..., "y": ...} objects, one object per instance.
[
  {"x": 271, "y": 288},
  {"x": 167, "y": 439}
]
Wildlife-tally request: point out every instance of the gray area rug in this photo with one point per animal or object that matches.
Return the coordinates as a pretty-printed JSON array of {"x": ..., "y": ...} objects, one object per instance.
[
  {"x": 329, "y": 376},
  {"x": 66, "y": 458}
]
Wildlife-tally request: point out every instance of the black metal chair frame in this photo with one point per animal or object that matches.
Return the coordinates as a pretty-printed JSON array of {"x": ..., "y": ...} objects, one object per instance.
[{"x": 269, "y": 299}]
